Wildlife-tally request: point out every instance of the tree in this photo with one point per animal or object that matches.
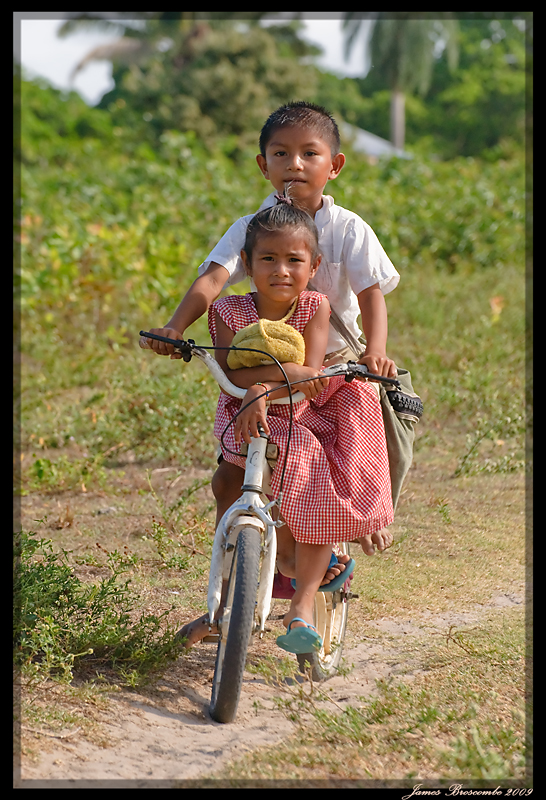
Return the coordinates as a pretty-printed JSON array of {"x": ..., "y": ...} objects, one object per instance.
[
  {"x": 218, "y": 74},
  {"x": 471, "y": 109},
  {"x": 144, "y": 31},
  {"x": 402, "y": 49}
]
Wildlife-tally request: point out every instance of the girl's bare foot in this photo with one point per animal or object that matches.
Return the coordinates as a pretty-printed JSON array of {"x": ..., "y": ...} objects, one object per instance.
[
  {"x": 382, "y": 540},
  {"x": 333, "y": 572},
  {"x": 192, "y": 632}
]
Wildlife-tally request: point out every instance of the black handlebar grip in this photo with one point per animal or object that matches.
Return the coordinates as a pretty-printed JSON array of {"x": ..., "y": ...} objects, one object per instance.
[{"x": 184, "y": 346}]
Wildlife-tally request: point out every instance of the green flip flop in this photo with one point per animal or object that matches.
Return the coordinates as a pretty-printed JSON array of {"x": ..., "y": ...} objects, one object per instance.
[{"x": 300, "y": 640}]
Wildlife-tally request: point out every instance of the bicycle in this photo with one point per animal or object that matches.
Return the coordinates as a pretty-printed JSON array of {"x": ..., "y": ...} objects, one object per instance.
[{"x": 242, "y": 567}]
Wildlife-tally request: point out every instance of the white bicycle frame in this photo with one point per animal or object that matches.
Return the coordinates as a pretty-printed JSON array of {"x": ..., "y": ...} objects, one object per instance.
[{"x": 251, "y": 509}]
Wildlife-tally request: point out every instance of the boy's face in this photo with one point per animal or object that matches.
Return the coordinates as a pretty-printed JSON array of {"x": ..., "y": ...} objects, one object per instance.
[{"x": 302, "y": 160}]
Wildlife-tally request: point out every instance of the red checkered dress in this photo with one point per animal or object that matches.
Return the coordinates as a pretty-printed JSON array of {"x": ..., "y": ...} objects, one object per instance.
[{"x": 337, "y": 484}]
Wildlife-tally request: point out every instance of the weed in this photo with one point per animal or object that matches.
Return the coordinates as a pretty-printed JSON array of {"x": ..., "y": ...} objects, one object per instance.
[
  {"x": 62, "y": 623},
  {"x": 486, "y": 754},
  {"x": 175, "y": 514},
  {"x": 443, "y": 508},
  {"x": 163, "y": 543},
  {"x": 497, "y": 427},
  {"x": 64, "y": 473}
]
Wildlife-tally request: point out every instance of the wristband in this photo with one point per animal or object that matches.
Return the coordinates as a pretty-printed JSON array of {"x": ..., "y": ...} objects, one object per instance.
[{"x": 265, "y": 387}]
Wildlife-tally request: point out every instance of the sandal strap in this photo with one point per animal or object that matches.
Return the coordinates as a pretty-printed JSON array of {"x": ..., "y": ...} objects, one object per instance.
[{"x": 299, "y": 619}]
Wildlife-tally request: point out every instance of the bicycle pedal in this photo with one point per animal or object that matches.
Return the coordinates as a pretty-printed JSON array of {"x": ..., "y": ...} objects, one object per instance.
[{"x": 211, "y": 638}]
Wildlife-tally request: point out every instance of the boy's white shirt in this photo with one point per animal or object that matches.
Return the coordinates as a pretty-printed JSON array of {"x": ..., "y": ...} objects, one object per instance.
[{"x": 352, "y": 260}]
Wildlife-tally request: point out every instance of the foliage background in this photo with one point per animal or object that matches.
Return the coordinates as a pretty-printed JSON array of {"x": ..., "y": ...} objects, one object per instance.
[
  {"x": 120, "y": 203},
  {"x": 114, "y": 209}
]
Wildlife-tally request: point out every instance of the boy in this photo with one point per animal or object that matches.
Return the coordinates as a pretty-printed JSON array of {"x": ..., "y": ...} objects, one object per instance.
[{"x": 300, "y": 151}]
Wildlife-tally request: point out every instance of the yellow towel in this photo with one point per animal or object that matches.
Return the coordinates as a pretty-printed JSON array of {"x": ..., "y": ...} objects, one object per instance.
[{"x": 274, "y": 336}]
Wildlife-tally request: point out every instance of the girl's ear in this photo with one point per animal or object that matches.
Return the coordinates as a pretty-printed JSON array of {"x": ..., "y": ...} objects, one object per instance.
[
  {"x": 246, "y": 262},
  {"x": 315, "y": 265}
]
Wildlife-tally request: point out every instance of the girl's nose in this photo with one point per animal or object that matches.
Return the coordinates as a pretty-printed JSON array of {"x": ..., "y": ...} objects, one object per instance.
[{"x": 281, "y": 267}]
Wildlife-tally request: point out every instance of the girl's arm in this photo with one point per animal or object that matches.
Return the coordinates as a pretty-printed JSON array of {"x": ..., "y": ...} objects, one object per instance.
[
  {"x": 375, "y": 327},
  {"x": 315, "y": 336}
]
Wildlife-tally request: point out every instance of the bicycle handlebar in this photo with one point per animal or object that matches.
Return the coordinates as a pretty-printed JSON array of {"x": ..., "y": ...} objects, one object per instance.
[{"x": 188, "y": 349}]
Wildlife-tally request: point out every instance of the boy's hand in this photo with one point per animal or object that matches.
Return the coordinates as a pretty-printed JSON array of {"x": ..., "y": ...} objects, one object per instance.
[
  {"x": 162, "y": 348},
  {"x": 379, "y": 364},
  {"x": 246, "y": 424}
]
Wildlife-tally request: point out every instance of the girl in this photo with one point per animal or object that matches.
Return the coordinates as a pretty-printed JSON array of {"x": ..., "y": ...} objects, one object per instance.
[{"x": 337, "y": 485}]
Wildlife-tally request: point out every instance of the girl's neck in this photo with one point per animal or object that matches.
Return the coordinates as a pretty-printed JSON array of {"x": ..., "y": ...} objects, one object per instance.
[{"x": 269, "y": 309}]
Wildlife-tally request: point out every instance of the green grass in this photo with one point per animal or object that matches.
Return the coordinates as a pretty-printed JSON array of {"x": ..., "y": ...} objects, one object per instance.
[{"x": 445, "y": 725}]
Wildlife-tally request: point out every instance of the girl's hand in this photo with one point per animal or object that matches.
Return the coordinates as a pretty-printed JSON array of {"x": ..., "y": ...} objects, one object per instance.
[
  {"x": 379, "y": 364},
  {"x": 314, "y": 384},
  {"x": 246, "y": 424}
]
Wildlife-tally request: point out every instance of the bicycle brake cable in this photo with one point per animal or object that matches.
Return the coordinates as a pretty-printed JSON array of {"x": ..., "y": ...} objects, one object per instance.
[
  {"x": 291, "y": 418},
  {"x": 189, "y": 344}
]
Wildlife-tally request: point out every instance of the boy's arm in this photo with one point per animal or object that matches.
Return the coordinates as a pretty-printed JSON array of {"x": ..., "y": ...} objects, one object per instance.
[
  {"x": 203, "y": 291},
  {"x": 375, "y": 327}
]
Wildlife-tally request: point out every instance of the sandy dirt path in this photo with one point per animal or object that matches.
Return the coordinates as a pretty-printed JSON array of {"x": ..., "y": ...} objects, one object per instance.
[{"x": 167, "y": 740}]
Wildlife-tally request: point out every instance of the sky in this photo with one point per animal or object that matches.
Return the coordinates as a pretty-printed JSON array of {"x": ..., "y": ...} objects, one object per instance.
[{"x": 43, "y": 54}]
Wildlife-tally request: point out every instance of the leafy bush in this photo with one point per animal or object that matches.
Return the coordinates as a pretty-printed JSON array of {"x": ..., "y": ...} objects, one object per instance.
[
  {"x": 62, "y": 624},
  {"x": 115, "y": 231}
]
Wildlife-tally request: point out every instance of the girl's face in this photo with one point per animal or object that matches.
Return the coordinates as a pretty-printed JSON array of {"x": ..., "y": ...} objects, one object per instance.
[{"x": 281, "y": 265}]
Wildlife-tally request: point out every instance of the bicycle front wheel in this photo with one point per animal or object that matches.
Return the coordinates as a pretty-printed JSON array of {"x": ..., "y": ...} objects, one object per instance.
[
  {"x": 236, "y": 625},
  {"x": 330, "y": 616}
]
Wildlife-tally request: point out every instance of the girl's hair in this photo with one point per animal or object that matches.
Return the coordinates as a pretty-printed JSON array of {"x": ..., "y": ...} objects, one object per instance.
[
  {"x": 284, "y": 215},
  {"x": 306, "y": 115}
]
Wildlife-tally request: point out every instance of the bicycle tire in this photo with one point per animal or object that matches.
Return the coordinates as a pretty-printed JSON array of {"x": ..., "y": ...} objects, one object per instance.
[
  {"x": 236, "y": 625},
  {"x": 406, "y": 404},
  {"x": 330, "y": 615}
]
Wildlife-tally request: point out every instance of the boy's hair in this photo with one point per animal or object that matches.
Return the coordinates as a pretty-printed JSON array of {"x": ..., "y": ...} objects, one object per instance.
[
  {"x": 284, "y": 215},
  {"x": 303, "y": 114}
]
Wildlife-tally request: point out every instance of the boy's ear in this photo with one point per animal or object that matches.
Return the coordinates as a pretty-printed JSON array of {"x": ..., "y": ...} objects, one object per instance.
[
  {"x": 262, "y": 163},
  {"x": 338, "y": 162},
  {"x": 315, "y": 265}
]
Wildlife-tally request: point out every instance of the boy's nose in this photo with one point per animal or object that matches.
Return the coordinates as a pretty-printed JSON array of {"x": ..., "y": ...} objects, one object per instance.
[{"x": 296, "y": 163}]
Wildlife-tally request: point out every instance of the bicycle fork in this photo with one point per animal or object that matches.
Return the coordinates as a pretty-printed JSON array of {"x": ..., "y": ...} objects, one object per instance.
[{"x": 249, "y": 511}]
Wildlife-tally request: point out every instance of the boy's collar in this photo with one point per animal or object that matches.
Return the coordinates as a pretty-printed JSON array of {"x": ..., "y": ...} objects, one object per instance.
[{"x": 324, "y": 210}]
